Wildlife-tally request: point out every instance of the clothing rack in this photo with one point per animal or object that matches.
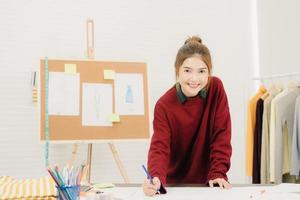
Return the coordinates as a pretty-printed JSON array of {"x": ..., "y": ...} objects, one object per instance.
[{"x": 277, "y": 76}]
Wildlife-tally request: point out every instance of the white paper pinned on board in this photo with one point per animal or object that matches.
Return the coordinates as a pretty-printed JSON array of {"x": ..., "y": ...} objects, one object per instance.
[
  {"x": 96, "y": 104},
  {"x": 129, "y": 94},
  {"x": 63, "y": 93}
]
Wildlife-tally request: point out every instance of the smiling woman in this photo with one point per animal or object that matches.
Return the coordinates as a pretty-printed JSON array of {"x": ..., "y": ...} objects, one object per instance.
[{"x": 192, "y": 126}]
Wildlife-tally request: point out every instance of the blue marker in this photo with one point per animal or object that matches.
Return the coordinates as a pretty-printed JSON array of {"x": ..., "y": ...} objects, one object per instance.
[{"x": 148, "y": 175}]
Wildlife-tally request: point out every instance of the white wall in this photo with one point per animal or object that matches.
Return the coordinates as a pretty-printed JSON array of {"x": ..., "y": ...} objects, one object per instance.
[
  {"x": 279, "y": 39},
  {"x": 133, "y": 30}
]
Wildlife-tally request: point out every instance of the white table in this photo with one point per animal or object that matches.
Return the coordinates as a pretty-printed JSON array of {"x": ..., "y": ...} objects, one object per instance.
[{"x": 238, "y": 192}]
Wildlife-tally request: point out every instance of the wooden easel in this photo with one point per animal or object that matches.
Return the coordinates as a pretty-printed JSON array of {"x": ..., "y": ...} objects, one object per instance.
[{"x": 66, "y": 128}]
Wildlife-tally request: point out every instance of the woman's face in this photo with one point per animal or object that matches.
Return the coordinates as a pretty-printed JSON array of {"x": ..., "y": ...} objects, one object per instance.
[{"x": 192, "y": 76}]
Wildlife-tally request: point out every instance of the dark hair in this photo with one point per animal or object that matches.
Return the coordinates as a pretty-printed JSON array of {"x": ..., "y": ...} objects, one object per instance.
[{"x": 193, "y": 47}]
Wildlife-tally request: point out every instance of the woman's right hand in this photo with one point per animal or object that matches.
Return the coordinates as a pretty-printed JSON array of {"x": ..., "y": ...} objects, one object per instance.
[{"x": 150, "y": 189}]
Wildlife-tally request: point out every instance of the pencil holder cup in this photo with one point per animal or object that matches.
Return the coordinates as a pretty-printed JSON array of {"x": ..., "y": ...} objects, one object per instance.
[{"x": 68, "y": 192}]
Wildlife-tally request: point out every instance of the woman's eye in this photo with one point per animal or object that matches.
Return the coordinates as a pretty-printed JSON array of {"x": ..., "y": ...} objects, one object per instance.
[{"x": 186, "y": 70}]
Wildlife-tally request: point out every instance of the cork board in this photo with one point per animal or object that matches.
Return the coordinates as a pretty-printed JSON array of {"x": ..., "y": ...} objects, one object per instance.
[{"x": 64, "y": 128}]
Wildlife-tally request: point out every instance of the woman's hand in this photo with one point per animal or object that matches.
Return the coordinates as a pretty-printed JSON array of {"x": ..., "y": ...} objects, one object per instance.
[
  {"x": 221, "y": 182},
  {"x": 150, "y": 189}
]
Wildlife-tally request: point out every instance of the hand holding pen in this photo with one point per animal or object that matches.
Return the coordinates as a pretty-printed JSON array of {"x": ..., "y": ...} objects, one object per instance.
[{"x": 151, "y": 185}]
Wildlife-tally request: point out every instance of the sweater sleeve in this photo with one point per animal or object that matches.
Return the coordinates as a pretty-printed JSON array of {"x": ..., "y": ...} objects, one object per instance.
[
  {"x": 220, "y": 145},
  {"x": 295, "y": 157},
  {"x": 158, "y": 156}
]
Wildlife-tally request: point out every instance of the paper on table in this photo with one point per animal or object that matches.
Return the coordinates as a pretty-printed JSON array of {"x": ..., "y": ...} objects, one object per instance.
[
  {"x": 63, "y": 93},
  {"x": 96, "y": 104},
  {"x": 129, "y": 93}
]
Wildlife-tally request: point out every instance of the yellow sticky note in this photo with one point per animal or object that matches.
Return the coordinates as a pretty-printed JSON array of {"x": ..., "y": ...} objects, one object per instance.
[
  {"x": 109, "y": 74},
  {"x": 70, "y": 68},
  {"x": 114, "y": 118}
]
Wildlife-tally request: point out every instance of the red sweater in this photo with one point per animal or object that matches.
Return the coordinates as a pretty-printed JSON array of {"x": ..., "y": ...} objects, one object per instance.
[{"x": 191, "y": 139}]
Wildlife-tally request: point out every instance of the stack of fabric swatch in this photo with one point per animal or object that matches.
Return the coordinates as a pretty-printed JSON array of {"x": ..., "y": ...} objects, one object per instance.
[{"x": 31, "y": 189}]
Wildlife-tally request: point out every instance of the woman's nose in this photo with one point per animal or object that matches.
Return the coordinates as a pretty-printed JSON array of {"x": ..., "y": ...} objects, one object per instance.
[{"x": 194, "y": 77}]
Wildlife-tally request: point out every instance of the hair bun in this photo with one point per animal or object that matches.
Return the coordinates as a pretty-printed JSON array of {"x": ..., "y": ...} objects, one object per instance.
[{"x": 193, "y": 39}]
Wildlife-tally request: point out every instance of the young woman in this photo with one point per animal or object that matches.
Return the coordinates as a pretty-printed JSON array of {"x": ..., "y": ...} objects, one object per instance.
[{"x": 192, "y": 126}]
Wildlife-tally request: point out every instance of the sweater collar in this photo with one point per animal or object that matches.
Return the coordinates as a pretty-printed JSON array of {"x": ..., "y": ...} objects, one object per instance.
[{"x": 181, "y": 96}]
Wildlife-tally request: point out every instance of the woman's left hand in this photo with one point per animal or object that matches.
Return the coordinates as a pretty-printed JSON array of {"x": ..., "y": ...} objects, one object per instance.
[{"x": 221, "y": 182}]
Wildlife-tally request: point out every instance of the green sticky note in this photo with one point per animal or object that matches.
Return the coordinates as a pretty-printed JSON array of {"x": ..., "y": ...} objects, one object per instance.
[
  {"x": 114, "y": 118},
  {"x": 109, "y": 74},
  {"x": 70, "y": 68},
  {"x": 103, "y": 185}
]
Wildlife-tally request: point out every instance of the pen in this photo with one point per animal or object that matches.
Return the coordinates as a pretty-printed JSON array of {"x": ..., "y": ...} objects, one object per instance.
[{"x": 148, "y": 175}]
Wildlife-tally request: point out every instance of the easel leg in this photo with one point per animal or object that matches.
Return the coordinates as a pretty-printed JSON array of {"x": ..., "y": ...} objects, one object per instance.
[
  {"x": 118, "y": 161},
  {"x": 89, "y": 161}
]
